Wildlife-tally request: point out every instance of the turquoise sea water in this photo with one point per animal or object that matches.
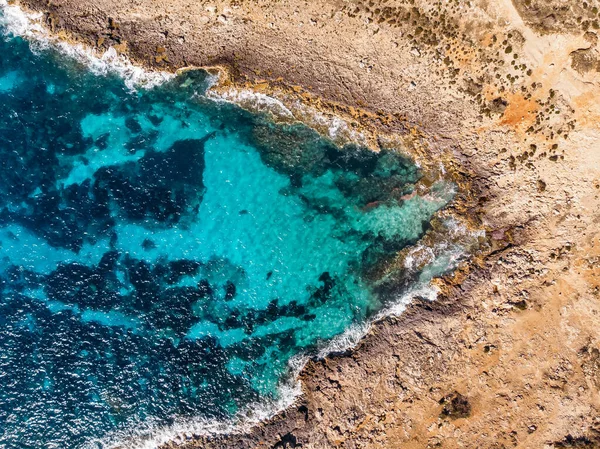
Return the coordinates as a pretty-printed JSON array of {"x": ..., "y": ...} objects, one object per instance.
[{"x": 164, "y": 256}]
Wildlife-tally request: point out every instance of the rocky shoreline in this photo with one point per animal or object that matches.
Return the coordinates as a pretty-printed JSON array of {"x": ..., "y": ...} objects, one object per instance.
[{"x": 505, "y": 94}]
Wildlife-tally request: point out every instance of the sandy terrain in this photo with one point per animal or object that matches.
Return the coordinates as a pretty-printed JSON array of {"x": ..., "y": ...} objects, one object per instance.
[{"x": 507, "y": 94}]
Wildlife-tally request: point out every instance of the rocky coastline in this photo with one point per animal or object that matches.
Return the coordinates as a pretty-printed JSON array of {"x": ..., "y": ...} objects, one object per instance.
[{"x": 505, "y": 95}]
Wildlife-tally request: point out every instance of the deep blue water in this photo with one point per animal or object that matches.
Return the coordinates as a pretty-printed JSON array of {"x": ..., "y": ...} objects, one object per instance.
[{"x": 163, "y": 256}]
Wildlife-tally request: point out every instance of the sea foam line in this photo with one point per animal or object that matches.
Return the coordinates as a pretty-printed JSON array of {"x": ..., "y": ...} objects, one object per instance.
[
  {"x": 149, "y": 435},
  {"x": 255, "y": 100},
  {"x": 331, "y": 126},
  {"x": 29, "y": 25}
]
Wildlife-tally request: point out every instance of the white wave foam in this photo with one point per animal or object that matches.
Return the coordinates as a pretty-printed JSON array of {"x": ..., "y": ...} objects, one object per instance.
[
  {"x": 335, "y": 128},
  {"x": 352, "y": 336},
  {"x": 29, "y": 25},
  {"x": 418, "y": 255},
  {"x": 252, "y": 100},
  {"x": 149, "y": 435},
  {"x": 426, "y": 291}
]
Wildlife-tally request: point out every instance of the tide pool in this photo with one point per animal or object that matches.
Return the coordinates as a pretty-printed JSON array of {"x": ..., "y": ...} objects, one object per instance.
[{"x": 164, "y": 256}]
